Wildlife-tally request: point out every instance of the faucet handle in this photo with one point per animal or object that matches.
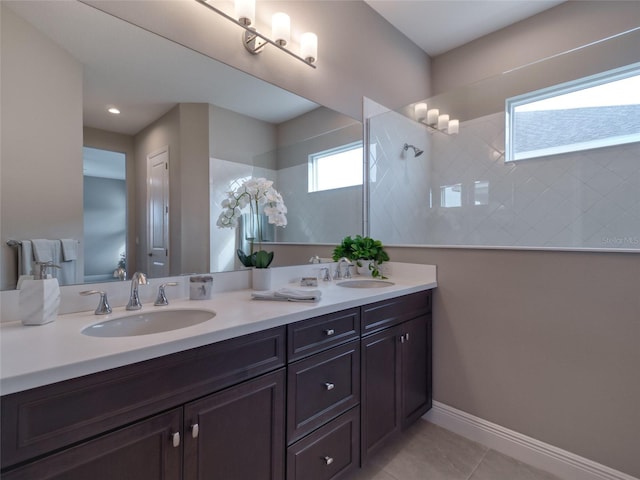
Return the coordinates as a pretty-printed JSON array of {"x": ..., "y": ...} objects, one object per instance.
[
  {"x": 326, "y": 277},
  {"x": 347, "y": 274},
  {"x": 162, "y": 300},
  {"x": 103, "y": 305}
]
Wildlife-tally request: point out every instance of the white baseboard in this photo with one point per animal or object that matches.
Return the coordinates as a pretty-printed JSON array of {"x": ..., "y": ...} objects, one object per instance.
[{"x": 554, "y": 460}]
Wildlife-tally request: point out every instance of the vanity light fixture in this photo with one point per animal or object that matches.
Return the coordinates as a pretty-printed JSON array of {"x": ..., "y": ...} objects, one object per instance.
[
  {"x": 434, "y": 120},
  {"x": 254, "y": 41}
]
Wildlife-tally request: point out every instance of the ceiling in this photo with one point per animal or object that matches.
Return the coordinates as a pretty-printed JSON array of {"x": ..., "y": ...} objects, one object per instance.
[{"x": 438, "y": 26}]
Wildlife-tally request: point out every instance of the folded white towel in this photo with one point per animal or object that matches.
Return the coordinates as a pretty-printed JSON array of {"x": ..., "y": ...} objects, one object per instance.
[
  {"x": 289, "y": 295},
  {"x": 69, "y": 249}
]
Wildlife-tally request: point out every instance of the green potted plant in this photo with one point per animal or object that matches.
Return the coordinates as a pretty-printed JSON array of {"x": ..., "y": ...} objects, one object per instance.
[{"x": 361, "y": 249}]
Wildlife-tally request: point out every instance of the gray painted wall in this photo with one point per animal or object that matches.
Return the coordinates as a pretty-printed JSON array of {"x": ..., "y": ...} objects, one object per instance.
[
  {"x": 41, "y": 99},
  {"x": 570, "y": 25}
]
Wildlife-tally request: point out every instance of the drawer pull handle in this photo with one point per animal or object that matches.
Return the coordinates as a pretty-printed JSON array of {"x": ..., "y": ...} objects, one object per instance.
[
  {"x": 329, "y": 386},
  {"x": 329, "y": 331},
  {"x": 175, "y": 439},
  {"x": 328, "y": 460},
  {"x": 195, "y": 430}
]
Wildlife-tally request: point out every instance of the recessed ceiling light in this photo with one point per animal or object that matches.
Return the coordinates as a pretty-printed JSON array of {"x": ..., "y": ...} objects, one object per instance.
[{"x": 114, "y": 110}]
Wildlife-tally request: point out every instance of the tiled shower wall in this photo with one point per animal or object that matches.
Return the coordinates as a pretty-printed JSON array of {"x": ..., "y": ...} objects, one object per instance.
[
  {"x": 461, "y": 191},
  {"x": 317, "y": 217}
]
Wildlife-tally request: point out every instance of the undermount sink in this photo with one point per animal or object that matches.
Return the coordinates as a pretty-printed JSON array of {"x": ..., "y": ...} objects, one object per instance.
[
  {"x": 369, "y": 283},
  {"x": 145, "y": 323}
]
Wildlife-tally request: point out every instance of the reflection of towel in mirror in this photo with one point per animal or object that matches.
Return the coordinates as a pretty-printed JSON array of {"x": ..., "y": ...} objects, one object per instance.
[
  {"x": 45, "y": 250},
  {"x": 51, "y": 251},
  {"x": 69, "y": 249},
  {"x": 25, "y": 258}
]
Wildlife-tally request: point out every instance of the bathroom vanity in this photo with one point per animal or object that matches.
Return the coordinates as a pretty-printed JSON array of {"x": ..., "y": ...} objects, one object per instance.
[{"x": 309, "y": 398}]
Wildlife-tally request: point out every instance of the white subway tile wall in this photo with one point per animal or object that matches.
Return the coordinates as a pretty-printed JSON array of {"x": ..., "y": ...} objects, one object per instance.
[{"x": 461, "y": 192}]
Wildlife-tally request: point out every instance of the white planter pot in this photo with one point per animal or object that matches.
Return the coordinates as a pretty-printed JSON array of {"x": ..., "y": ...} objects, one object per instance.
[
  {"x": 364, "y": 269},
  {"x": 261, "y": 279}
]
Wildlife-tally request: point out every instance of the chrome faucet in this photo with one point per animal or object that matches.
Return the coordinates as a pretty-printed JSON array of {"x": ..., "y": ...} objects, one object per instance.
[
  {"x": 103, "y": 305},
  {"x": 338, "y": 273},
  {"x": 137, "y": 278},
  {"x": 161, "y": 299}
]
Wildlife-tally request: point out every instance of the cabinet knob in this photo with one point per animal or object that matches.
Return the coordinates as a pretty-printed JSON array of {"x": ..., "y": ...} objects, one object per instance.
[
  {"x": 329, "y": 386},
  {"x": 329, "y": 331},
  {"x": 328, "y": 460},
  {"x": 175, "y": 439},
  {"x": 195, "y": 430}
]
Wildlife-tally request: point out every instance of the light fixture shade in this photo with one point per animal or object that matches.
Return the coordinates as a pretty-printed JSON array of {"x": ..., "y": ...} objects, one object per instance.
[
  {"x": 246, "y": 11},
  {"x": 420, "y": 111},
  {"x": 309, "y": 47},
  {"x": 443, "y": 122},
  {"x": 454, "y": 127},
  {"x": 281, "y": 28},
  {"x": 432, "y": 116}
]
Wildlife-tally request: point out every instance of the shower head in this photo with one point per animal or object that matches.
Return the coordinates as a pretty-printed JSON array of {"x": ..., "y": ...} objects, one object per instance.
[{"x": 416, "y": 151}]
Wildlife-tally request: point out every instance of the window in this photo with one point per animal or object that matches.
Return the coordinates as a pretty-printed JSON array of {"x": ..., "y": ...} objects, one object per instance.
[
  {"x": 597, "y": 111},
  {"x": 451, "y": 195},
  {"x": 336, "y": 168}
]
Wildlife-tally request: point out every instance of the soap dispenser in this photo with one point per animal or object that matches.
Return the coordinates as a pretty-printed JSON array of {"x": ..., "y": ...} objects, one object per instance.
[{"x": 40, "y": 297}]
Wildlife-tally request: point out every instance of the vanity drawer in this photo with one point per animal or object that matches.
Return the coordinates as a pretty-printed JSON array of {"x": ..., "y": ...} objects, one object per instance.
[
  {"x": 329, "y": 453},
  {"x": 314, "y": 335},
  {"x": 387, "y": 313},
  {"x": 322, "y": 387},
  {"x": 43, "y": 419}
]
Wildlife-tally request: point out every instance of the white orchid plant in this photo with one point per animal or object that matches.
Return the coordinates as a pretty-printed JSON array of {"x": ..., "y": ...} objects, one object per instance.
[{"x": 257, "y": 193}]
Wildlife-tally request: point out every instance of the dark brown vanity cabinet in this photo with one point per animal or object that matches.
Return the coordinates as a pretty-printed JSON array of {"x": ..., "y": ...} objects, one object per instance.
[
  {"x": 199, "y": 409},
  {"x": 142, "y": 451},
  {"x": 323, "y": 395},
  {"x": 396, "y": 367},
  {"x": 306, "y": 401}
]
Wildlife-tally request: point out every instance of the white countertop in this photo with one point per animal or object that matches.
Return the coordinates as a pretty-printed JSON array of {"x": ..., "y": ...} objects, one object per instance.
[{"x": 37, "y": 356}]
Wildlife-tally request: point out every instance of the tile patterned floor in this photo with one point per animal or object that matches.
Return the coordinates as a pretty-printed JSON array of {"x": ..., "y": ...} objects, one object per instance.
[{"x": 429, "y": 452}]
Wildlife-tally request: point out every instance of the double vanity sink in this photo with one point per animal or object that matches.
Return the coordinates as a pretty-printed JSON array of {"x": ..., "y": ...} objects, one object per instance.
[
  {"x": 167, "y": 320},
  {"x": 82, "y": 343}
]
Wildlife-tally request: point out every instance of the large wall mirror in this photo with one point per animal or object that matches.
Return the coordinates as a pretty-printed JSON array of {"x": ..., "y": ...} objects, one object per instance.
[{"x": 189, "y": 126}]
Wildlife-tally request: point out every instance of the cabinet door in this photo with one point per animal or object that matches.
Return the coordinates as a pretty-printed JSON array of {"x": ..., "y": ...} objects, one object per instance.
[
  {"x": 237, "y": 434},
  {"x": 381, "y": 379},
  {"x": 142, "y": 451},
  {"x": 416, "y": 368}
]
